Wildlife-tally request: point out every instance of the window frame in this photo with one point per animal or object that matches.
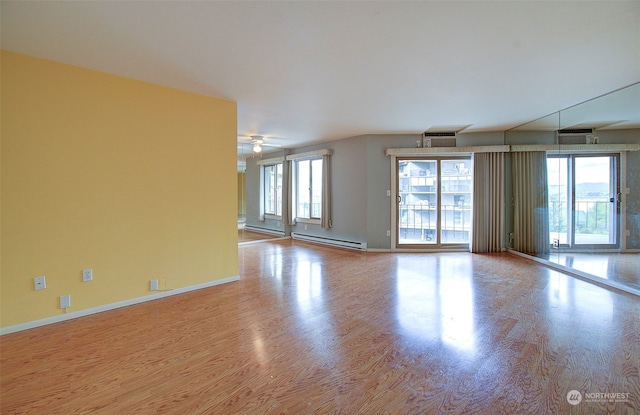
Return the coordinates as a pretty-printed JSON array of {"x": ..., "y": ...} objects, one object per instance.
[
  {"x": 569, "y": 243},
  {"x": 440, "y": 209},
  {"x": 265, "y": 190},
  {"x": 296, "y": 178}
]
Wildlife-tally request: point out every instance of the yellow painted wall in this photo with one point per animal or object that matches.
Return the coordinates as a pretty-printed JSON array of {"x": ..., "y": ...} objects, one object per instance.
[{"x": 131, "y": 179}]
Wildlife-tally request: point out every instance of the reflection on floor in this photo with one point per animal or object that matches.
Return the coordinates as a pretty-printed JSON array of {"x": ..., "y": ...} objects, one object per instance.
[{"x": 621, "y": 268}]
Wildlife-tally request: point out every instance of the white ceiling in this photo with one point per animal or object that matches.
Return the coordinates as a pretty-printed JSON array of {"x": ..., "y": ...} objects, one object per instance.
[{"x": 305, "y": 72}]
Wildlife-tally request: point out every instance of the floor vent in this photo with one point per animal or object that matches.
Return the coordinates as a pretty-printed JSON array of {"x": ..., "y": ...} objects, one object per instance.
[{"x": 340, "y": 243}]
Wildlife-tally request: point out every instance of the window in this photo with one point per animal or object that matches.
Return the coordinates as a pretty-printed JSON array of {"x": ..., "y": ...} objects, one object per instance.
[
  {"x": 308, "y": 188},
  {"x": 434, "y": 204},
  {"x": 272, "y": 182},
  {"x": 309, "y": 196},
  {"x": 583, "y": 200}
]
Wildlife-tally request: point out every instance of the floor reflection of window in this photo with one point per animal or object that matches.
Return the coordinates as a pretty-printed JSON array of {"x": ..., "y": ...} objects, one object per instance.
[
  {"x": 258, "y": 346},
  {"x": 272, "y": 262},
  {"x": 417, "y": 309},
  {"x": 456, "y": 297},
  {"x": 316, "y": 321},
  {"x": 435, "y": 300},
  {"x": 308, "y": 284}
]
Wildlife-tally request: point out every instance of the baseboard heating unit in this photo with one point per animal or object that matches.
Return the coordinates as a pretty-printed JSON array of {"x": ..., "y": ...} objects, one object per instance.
[
  {"x": 263, "y": 230},
  {"x": 339, "y": 243}
]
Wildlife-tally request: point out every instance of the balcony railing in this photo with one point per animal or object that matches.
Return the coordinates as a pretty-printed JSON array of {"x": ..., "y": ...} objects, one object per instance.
[
  {"x": 419, "y": 222},
  {"x": 590, "y": 217},
  {"x": 303, "y": 210}
]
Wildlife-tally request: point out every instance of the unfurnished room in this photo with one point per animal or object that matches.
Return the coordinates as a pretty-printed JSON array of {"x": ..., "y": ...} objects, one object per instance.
[{"x": 319, "y": 207}]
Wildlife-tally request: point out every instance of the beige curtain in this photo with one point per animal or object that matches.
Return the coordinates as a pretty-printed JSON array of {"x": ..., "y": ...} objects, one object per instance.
[
  {"x": 326, "y": 192},
  {"x": 488, "y": 203},
  {"x": 530, "y": 202},
  {"x": 291, "y": 210},
  {"x": 262, "y": 195},
  {"x": 286, "y": 199}
]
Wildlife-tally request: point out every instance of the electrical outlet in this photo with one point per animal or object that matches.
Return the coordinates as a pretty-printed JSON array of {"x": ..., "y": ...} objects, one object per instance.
[
  {"x": 153, "y": 285},
  {"x": 556, "y": 243},
  {"x": 388, "y": 232},
  {"x": 39, "y": 283},
  {"x": 65, "y": 301},
  {"x": 87, "y": 274}
]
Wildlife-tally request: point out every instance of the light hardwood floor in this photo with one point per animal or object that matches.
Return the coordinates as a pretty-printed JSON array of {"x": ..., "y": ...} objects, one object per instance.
[{"x": 317, "y": 330}]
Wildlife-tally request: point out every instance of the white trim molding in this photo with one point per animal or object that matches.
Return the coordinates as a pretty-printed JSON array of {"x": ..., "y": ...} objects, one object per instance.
[
  {"x": 429, "y": 151},
  {"x": 310, "y": 154},
  {"x": 572, "y": 148},
  {"x": 112, "y": 306},
  {"x": 576, "y": 148},
  {"x": 273, "y": 160}
]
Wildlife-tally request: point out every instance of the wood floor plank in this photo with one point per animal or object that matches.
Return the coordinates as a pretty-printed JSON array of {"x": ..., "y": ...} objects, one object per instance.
[{"x": 317, "y": 330}]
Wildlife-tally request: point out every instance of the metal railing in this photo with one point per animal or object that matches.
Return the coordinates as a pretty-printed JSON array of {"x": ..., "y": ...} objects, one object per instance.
[
  {"x": 304, "y": 212},
  {"x": 589, "y": 217},
  {"x": 419, "y": 221}
]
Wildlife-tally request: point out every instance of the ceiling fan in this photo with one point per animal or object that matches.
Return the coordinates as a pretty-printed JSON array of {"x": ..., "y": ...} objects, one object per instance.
[{"x": 258, "y": 142}]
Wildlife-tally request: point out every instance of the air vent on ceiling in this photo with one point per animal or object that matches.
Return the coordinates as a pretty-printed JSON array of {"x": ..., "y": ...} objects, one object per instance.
[
  {"x": 575, "y": 131},
  {"x": 576, "y": 136},
  {"x": 440, "y": 134},
  {"x": 439, "y": 139}
]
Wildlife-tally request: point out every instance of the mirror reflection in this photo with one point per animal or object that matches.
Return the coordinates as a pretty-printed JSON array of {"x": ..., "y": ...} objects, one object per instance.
[
  {"x": 573, "y": 192},
  {"x": 256, "y": 222}
]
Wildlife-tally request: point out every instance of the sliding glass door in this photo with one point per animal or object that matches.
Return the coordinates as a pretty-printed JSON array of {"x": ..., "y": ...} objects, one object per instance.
[
  {"x": 583, "y": 201},
  {"x": 433, "y": 201}
]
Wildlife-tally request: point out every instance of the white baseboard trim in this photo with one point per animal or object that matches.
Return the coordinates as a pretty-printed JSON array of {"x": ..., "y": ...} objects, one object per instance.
[
  {"x": 112, "y": 306},
  {"x": 264, "y": 230},
  {"x": 263, "y": 240}
]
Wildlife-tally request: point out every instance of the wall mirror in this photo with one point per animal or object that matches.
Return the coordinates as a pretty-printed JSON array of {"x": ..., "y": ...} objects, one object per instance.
[
  {"x": 587, "y": 212},
  {"x": 250, "y": 228}
]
